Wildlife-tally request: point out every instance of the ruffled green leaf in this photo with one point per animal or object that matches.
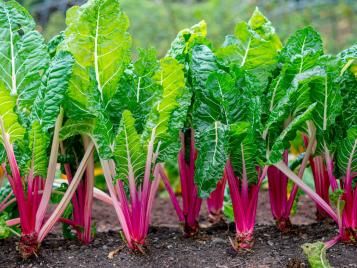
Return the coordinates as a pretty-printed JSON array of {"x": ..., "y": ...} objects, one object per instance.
[
  {"x": 347, "y": 152},
  {"x": 327, "y": 95},
  {"x": 47, "y": 104},
  {"x": 39, "y": 141},
  {"x": 300, "y": 55},
  {"x": 97, "y": 37},
  {"x": 316, "y": 254},
  {"x": 138, "y": 92},
  {"x": 186, "y": 39},
  {"x": 54, "y": 43},
  {"x": 23, "y": 56},
  {"x": 9, "y": 120},
  {"x": 289, "y": 133},
  {"x": 212, "y": 157},
  {"x": 130, "y": 155},
  {"x": 243, "y": 150},
  {"x": 348, "y": 85},
  {"x": 209, "y": 118},
  {"x": 302, "y": 50},
  {"x": 169, "y": 113},
  {"x": 253, "y": 47},
  {"x": 295, "y": 102}
]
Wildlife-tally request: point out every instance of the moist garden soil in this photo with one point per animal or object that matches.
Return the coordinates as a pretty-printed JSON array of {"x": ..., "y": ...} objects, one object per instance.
[{"x": 167, "y": 248}]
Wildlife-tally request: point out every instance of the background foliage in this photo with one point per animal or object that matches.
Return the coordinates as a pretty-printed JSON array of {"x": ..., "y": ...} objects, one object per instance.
[{"x": 156, "y": 22}]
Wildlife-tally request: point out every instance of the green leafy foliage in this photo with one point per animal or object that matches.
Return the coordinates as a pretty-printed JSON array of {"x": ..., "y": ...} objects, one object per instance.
[
  {"x": 9, "y": 120},
  {"x": 254, "y": 47},
  {"x": 129, "y": 153},
  {"x": 186, "y": 40},
  {"x": 316, "y": 254},
  {"x": 347, "y": 151},
  {"x": 97, "y": 37},
  {"x": 23, "y": 55}
]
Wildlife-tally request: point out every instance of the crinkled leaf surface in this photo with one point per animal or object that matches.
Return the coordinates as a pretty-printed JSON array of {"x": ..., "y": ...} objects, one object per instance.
[
  {"x": 130, "y": 155},
  {"x": 50, "y": 98},
  {"x": 39, "y": 141},
  {"x": 97, "y": 37},
  {"x": 168, "y": 115},
  {"x": 347, "y": 151},
  {"x": 254, "y": 46},
  {"x": 23, "y": 55},
  {"x": 186, "y": 39}
]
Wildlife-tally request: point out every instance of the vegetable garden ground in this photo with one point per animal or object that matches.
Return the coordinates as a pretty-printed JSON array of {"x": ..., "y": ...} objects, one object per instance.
[
  {"x": 167, "y": 247},
  {"x": 85, "y": 119}
]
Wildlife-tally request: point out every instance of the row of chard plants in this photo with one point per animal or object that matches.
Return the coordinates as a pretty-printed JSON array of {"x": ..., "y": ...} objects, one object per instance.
[{"x": 227, "y": 115}]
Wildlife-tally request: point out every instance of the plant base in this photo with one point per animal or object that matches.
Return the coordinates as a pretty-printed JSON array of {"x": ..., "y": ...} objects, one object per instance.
[
  {"x": 284, "y": 225},
  {"x": 28, "y": 246},
  {"x": 349, "y": 236},
  {"x": 191, "y": 230},
  {"x": 216, "y": 218},
  {"x": 243, "y": 241}
]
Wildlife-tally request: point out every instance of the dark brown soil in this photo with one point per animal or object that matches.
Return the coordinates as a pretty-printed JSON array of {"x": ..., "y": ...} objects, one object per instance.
[
  {"x": 164, "y": 214},
  {"x": 167, "y": 248}
]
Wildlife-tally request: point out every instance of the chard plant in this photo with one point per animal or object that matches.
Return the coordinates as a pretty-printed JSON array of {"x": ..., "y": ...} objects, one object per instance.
[
  {"x": 250, "y": 57},
  {"x": 300, "y": 54},
  {"x": 182, "y": 50},
  {"x": 313, "y": 106},
  {"x": 32, "y": 88},
  {"x": 130, "y": 111}
]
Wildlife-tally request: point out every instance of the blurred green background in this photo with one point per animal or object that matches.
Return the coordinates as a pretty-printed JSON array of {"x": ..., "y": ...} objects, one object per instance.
[{"x": 156, "y": 22}]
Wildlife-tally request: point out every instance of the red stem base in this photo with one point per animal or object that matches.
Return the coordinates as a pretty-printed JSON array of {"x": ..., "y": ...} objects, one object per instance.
[
  {"x": 349, "y": 236},
  {"x": 242, "y": 241},
  {"x": 191, "y": 230},
  {"x": 284, "y": 224},
  {"x": 28, "y": 245},
  {"x": 216, "y": 218}
]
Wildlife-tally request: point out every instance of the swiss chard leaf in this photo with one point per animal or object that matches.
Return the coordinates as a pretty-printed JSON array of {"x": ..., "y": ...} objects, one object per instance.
[
  {"x": 347, "y": 152},
  {"x": 254, "y": 47},
  {"x": 168, "y": 115},
  {"x": 23, "y": 56},
  {"x": 97, "y": 37},
  {"x": 9, "y": 120},
  {"x": 186, "y": 40},
  {"x": 129, "y": 153}
]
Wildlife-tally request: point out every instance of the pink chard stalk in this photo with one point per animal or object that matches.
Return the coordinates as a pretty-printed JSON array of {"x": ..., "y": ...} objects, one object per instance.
[
  {"x": 279, "y": 199},
  {"x": 244, "y": 198},
  {"x": 191, "y": 202},
  {"x": 321, "y": 181},
  {"x": 134, "y": 210},
  {"x": 215, "y": 202},
  {"x": 82, "y": 200},
  {"x": 134, "y": 173}
]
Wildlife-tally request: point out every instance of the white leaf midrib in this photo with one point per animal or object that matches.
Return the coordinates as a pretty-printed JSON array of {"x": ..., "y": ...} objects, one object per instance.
[{"x": 13, "y": 64}]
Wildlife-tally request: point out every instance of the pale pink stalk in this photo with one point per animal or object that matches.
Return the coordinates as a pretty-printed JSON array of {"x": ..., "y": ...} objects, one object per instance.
[
  {"x": 88, "y": 192},
  {"x": 134, "y": 214},
  {"x": 172, "y": 195},
  {"x": 117, "y": 205},
  {"x": 102, "y": 196},
  {"x": 314, "y": 196},
  {"x": 44, "y": 230},
  {"x": 51, "y": 172}
]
